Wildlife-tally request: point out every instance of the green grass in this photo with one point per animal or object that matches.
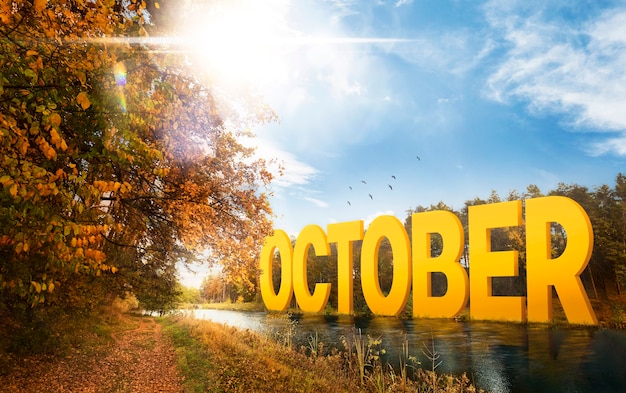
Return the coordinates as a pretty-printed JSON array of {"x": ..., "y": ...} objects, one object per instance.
[
  {"x": 193, "y": 358},
  {"x": 218, "y": 358}
]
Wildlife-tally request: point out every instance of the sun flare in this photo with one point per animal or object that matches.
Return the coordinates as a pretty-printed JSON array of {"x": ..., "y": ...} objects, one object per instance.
[{"x": 236, "y": 42}]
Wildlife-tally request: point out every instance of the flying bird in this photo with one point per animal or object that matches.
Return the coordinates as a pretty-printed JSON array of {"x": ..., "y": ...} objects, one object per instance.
[
  {"x": 391, "y": 188},
  {"x": 349, "y": 203},
  {"x": 418, "y": 158},
  {"x": 393, "y": 177},
  {"x": 350, "y": 187},
  {"x": 363, "y": 181},
  {"x": 371, "y": 197}
]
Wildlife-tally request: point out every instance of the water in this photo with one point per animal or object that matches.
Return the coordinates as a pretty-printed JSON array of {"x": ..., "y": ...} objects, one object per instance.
[{"x": 498, "y": 357}]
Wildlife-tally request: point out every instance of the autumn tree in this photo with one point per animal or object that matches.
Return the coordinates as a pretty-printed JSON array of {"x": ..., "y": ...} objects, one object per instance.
[
  {"x": 214, "y": 288},
  {"x": 117, "y": 162}
]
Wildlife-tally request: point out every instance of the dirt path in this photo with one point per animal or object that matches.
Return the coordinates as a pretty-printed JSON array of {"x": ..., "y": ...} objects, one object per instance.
[{"x": 138, "y": 360}]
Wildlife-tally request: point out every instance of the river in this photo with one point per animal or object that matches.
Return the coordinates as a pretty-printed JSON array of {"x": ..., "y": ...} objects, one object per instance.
[{"x": 498, "y": 357}]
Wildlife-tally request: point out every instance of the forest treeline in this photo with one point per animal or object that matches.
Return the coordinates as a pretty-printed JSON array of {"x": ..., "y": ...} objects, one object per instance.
[{"x": 603, "y": 279}]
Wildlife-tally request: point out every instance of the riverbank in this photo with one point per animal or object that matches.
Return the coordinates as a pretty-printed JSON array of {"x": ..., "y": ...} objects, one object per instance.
[
  {"x": 130, "y": 353},
  {"x": 215, "y": 357}
]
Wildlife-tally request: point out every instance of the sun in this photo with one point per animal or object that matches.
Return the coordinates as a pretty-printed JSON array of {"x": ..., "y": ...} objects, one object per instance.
[{"x": 236, "y": 42}]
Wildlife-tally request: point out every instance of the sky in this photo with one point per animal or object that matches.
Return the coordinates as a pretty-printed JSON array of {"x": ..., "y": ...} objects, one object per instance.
[{"x": 453, "y": 98}]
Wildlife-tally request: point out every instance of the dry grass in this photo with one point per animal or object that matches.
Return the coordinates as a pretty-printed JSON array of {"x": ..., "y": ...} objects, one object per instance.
[{"x": 218, "y": 358}]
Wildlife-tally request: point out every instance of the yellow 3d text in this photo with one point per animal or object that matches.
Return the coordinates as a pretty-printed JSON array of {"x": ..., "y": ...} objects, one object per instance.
[{"x": 413, "y": 264}]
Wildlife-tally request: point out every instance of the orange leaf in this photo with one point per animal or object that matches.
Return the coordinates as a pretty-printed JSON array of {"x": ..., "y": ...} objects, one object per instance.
[
  {"x": 13, "y": 190},
  {"x": 83, "y": 100},
  {"x": 40, "y": 5},
  {"x": 55, "y": 119}
]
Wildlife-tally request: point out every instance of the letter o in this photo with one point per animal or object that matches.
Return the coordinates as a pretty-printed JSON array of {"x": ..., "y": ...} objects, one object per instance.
[
  {"x": 276, "y": 301},
  {"x": 391, "y": 228}
]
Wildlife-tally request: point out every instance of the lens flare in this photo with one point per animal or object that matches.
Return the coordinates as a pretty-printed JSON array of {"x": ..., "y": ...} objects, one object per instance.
[{"x": 119, "y": 72}]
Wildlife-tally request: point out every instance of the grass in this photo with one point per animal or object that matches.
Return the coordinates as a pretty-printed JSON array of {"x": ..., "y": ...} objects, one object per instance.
[
  {"x": 193, "y": 358},
  {"x": 218, "y": 358},
  {"x": 62, "y": 333}
]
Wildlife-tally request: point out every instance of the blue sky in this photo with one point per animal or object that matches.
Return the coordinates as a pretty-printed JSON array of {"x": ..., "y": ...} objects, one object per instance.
[{"x": 491, "y": 95}]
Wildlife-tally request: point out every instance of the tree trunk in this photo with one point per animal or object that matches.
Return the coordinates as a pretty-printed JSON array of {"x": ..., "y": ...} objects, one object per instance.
[{"x": 593, "y": 284}]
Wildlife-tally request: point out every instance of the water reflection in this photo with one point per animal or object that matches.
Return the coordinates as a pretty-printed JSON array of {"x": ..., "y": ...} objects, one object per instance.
[{"x": 498, "y": 357}]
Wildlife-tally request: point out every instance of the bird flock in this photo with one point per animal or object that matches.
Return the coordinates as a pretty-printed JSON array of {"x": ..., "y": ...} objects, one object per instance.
[{"x": 388, "y": 185}]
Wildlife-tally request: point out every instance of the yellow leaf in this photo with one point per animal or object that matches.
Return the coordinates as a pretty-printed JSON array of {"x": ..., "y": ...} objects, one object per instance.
[
  {"x": 51, "y": 287},
  {"x": 36, "y": 285},
  {"x": 156, "y": 5},
  {"x": 83, "y": 100}
]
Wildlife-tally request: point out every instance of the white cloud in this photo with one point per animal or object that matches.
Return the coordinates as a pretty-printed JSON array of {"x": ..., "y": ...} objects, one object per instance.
[
  {"x": 316, "y": 202},
  {"x": 451, "y": 51},
  {"x": 617, "y": 145},
  {"x": 368, "y": 220},
  {"x": 449, "y": 100},
  {"x": 400, "y": 3},
  {"x": 294, "y": 171},
  {"x": 578, "y": 71},
  {"x": 548, "y": 178},
  {"x": 342, "y": 8}
]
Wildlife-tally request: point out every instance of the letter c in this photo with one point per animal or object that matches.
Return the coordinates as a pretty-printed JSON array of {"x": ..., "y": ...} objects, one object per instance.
[{"x": 310, "y": 235}]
